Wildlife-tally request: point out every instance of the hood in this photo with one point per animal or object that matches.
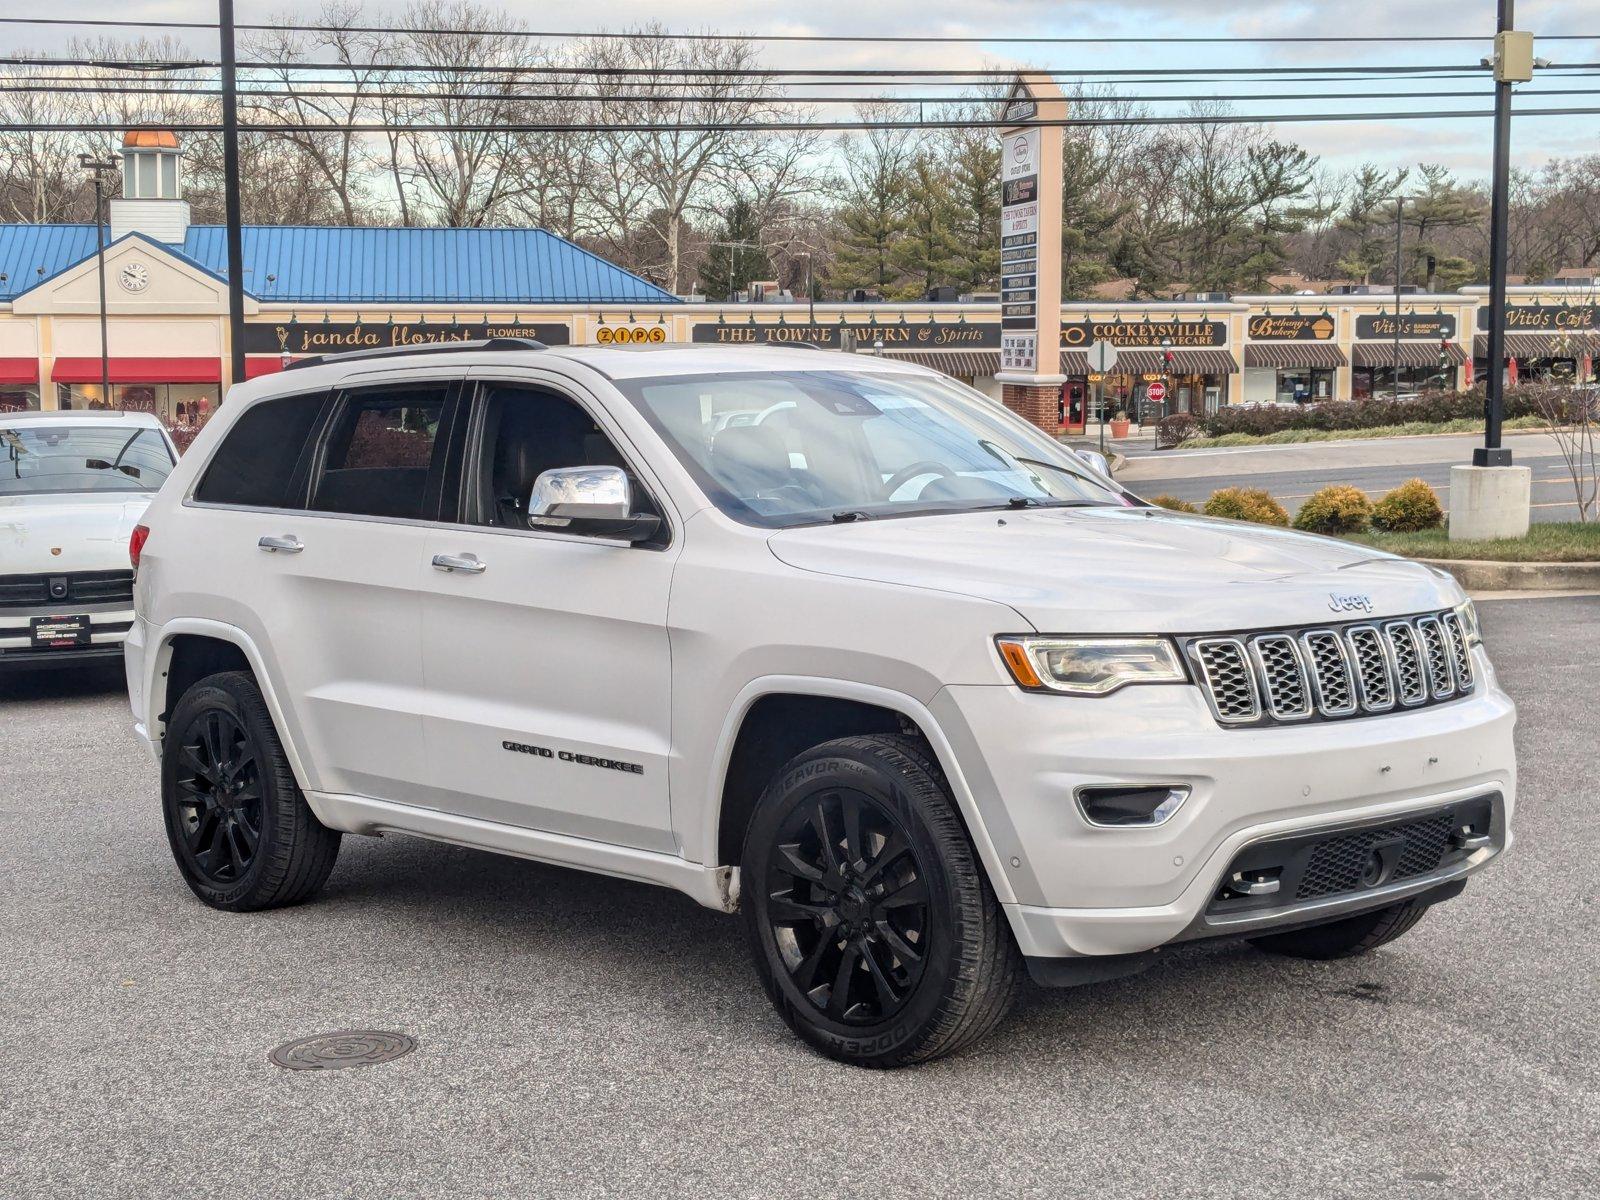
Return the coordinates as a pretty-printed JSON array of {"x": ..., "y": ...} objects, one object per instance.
[
  {"x": 79, "y": 531},
  {"x": 1124, "y": 570}
]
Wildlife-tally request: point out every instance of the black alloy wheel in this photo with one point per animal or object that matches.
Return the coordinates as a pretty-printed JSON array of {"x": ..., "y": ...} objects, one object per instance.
[
  {"x": 241, "y": 832},
  {"x": 870, "y": 919},
  {"x": 219, "y": 796},
  {"x": 847, "y": 903}
]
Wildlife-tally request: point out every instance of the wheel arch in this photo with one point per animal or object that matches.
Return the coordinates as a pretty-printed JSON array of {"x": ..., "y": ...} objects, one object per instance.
[
  {"x": 189, "y": 649},
  {"x": 811, "y": 710}
]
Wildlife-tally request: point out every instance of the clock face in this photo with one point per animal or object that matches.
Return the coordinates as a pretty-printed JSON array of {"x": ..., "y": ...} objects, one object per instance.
[{"x": 134, "y": 277}]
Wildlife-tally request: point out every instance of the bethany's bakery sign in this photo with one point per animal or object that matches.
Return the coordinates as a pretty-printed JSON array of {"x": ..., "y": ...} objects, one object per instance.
[
  {"x": 916, "y": 335},
  {"x": 1151, "y": 334},
  {"x": 1295, "y": 327},
  {"x": 336, "y": 337},
  {"x": 1546, "y": 318},
  {"x": 1408, "y": 325}
]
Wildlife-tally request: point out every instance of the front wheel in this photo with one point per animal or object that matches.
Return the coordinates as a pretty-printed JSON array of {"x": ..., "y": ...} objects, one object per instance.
[
  {"x": 241, "y": 832},
  {"x": 875, "y": 932}
]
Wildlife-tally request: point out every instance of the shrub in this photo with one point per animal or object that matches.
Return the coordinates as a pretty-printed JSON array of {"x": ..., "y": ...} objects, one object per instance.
[
  {"x": 1172, "y": 502},
  {"x": 1410, "y": 507},
  {"x": 1258, "y": 420},
  {"x": 1338, "y": 508},
  {"x": 1246, "y": 504}
]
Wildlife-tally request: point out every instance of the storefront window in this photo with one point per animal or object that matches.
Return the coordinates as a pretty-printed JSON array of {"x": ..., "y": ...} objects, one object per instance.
[
  {"x": 174, "y": 403},
  {"x": 18, "y": 397},
  {"x": 1367, "y": 382}
]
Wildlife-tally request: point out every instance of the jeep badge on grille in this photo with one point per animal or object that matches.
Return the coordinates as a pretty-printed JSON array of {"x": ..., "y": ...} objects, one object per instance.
[{"x": 1353, "y": 602}]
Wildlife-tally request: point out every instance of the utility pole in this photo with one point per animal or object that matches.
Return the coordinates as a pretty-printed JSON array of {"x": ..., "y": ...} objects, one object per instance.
[
  {"x": 1399, "y": 207},
  {"x": 230, "y": 189},
  {"x": 1513, "y": 63},
  {"x": 100, "y": 165}
]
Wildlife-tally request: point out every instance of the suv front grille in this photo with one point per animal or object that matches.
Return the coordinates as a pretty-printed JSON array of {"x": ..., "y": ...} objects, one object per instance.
[
  {"x": 55, "y": 591},
  {"x": 1360, "y": 669}
]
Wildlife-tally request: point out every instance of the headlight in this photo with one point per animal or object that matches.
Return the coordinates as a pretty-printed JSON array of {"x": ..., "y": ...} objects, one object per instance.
[
  {"x": 1089, "y": 666},
  {"x": 1467, "y": 614}
]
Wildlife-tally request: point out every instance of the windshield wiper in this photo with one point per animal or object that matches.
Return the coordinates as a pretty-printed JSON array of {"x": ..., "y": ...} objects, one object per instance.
[{"x": 850, "y": 514}]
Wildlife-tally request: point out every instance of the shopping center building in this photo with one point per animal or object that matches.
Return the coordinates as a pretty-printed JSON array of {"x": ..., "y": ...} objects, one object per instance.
[{"x": 322, "y": 290}]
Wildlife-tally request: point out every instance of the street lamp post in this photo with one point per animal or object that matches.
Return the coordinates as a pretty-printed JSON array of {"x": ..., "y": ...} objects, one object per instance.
[
  {"x": 732, "y": 246},
  {"x": 99, "y": 166},
  {"x": 1399, "y": 207}
]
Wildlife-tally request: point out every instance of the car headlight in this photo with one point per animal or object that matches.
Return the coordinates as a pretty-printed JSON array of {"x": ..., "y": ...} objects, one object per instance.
[
  {"x": 1467, "y": 614},
  {"x": 1089, "y": 666}
]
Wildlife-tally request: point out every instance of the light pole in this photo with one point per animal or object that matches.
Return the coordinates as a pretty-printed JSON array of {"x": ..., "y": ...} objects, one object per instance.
[
  {"x": 811, "y": 303},
  {"x": 1399, "y": 207},
  {"x": 231, "y": 204},
  {"x": 1166, "y": 369},
  {"x": 100, "y": 166}
]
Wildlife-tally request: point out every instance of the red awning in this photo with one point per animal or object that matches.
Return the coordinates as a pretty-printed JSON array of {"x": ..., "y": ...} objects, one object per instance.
[
  {"x": 139, "y": 370},
  {"x": 256, "y": 365},
  {"x": 19, "y": 370}
]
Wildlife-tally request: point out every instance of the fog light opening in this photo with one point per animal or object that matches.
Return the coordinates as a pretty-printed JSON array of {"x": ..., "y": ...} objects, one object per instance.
[{"x": 1116, "y": 807}]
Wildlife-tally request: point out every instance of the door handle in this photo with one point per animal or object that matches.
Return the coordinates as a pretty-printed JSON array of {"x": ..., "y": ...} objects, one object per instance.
[
  {"x": 288, "y": 544},
  {"x": 470, "y": 563}
]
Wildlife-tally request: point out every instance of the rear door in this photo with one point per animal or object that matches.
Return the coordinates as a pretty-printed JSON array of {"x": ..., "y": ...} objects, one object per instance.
[
  {"x": 329, "y": 575},
  {"x": 546, "y": 663}
]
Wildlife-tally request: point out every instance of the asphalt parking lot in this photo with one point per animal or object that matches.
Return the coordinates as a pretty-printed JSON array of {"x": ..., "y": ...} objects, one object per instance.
[{"x": 581, "y": 1036}]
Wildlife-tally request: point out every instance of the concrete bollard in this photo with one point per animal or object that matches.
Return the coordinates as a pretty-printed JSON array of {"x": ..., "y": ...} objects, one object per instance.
[{"x": 1489, "y": 502}]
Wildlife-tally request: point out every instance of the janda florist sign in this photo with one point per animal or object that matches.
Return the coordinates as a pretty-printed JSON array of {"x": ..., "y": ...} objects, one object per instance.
[{"x": 336, "y": 337}]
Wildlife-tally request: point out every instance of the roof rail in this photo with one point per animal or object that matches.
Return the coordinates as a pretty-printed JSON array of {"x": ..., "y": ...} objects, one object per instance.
[{"x": 494, "y": 343}]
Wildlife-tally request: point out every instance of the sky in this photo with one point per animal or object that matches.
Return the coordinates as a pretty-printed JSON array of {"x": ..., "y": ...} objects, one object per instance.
[{"x": 1462, "y": 144}]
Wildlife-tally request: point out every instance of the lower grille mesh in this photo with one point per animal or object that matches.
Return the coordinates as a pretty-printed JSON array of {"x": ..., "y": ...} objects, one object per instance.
[{"x": 1337, "y": 864}]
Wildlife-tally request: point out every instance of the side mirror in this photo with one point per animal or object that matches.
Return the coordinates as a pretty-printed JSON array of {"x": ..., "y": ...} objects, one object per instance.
[
  {"x": 1095, "y": 461},
  {"x": 597, "y": 501}
]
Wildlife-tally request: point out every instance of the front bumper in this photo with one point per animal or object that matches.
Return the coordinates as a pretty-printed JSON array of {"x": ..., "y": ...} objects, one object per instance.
[
  {"x": 108, "y": 628},
  {"x": 1078, "y": 889}
]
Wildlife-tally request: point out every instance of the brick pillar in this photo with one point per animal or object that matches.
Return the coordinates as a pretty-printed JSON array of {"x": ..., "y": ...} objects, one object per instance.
[{"x": 1039, "y": 403}]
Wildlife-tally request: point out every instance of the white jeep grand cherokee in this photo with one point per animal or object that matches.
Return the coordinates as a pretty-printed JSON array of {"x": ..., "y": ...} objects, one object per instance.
[
  {"x": 73, "y": 486},
  {"x": 824, "y": 638}
]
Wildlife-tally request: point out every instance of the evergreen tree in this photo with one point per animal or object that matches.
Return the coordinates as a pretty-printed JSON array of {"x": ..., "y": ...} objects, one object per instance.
[
  {"x": 1368, "y": 221},
  {"x": 927, "y": 255},
  {"x": 873, "y": 212},
  {"x": 1441, "y": 204},
  {"x": 973, "y": 207}
]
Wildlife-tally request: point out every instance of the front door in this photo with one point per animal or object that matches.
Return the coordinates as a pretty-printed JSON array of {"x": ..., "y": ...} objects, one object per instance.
[{"x": 545, "y": 654}]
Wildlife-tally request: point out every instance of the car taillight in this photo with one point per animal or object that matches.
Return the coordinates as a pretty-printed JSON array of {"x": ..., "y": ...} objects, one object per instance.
[{"x": 136, "y": 541}]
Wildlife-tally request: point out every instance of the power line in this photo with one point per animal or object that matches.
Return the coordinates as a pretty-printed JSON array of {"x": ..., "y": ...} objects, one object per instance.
[
  {"x": 664, "y": 36},
  {"x": 773, "y": 126}
]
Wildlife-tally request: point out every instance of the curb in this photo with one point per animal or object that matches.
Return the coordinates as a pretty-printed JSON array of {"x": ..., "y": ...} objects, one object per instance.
[{"x": 1484, "y": 575}]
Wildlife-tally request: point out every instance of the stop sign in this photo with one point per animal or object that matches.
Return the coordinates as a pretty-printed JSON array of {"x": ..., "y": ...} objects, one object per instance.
[{"x": 1157, "y": 392}]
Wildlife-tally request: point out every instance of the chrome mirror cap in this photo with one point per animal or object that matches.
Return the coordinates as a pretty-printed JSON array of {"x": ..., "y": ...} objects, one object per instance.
[
  {"x": 565, "y": 494},
  {"x": 1095, "y": 461}
]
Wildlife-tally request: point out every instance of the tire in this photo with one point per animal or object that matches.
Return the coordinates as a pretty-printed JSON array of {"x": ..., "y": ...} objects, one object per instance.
[
  {"x": 226, "y": 779},
  {"x": 900, "y": 916},
  {"x": 1346, "y": 938}
]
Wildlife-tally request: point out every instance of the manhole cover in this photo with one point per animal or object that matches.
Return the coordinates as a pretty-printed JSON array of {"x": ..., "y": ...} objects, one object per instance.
[{"x": 349, "y": 1048}]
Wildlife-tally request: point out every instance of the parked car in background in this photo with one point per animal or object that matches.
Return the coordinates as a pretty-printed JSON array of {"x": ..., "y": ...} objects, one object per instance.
[
  {"x": 73, "y": 486},
  {"x": 873, "y": 661}
]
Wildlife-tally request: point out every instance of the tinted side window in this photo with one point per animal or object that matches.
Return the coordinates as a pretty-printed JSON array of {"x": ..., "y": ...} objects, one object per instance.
[
  {"x": 256, "y": 462},
  {"x": 380, "y": 449},
  {"x": 528, "y": 431}
]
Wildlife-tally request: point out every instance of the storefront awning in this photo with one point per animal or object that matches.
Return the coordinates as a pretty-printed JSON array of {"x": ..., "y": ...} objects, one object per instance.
[
  {"x": 1074, "y": 362},
  {"x": 19, "y": 370},
  {"x": 1184, "y": 362},
  {"x": 1412, "y": 354},
  {"x": 963, "y": 364},
  {"x": 139, "y": 370},
  {"x": 257, "y": 365},
  {"x": 1293, "y": 354},
  {"x": 1542, "y": 345}
]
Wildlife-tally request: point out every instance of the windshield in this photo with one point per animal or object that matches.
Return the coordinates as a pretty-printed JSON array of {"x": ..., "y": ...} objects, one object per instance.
[
  {"x": 804, "y": 447},
  {"x": 82, "y": 458}
]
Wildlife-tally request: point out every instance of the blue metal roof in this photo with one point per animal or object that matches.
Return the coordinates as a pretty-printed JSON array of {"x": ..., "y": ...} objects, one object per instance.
[{"x": 325, "y": 265}]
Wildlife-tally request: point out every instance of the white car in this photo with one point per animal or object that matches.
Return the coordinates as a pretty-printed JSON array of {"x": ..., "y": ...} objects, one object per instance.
[
  {"x": 896, "y": 676},
  {"x": 73, "y": 486}
]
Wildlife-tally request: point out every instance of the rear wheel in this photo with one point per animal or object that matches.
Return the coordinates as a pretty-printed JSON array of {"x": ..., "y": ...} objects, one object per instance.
[
  {"x": 1346, "y": 938},
  {"x": 240, "y": 830},
  {"x": 876, "y": 934}
]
